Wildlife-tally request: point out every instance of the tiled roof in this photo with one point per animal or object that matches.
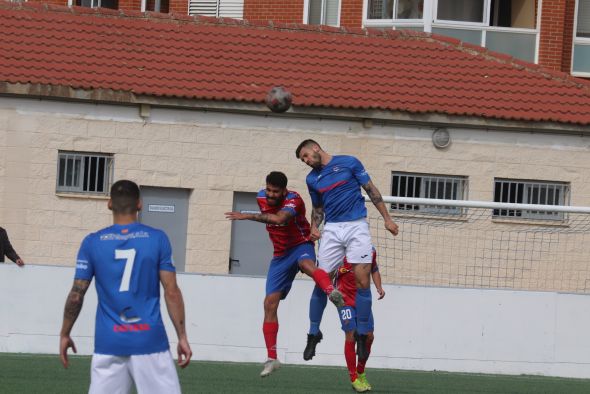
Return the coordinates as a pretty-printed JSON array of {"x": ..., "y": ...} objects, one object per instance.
[{"x": 223, "y": 59}]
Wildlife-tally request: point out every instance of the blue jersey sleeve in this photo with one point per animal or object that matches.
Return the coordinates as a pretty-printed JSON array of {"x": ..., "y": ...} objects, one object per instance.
[
  {"x": 359, "y": 172},
  {"x": 165, "y": 263},
  {"x": 316, "y": 198},
  {"x": 84, "y": 264}
]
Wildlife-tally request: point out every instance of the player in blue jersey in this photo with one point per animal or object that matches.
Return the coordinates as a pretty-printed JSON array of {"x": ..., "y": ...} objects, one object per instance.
[
  {"x": 334, "y": 184},
  {"x": 129, "y": 261}
]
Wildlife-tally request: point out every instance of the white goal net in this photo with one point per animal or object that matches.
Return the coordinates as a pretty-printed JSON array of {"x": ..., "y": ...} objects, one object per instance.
[{"x": 473, "y": 244}]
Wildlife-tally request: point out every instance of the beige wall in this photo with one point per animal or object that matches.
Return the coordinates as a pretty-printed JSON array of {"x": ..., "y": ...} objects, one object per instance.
[{"x": 217, "y": 154}]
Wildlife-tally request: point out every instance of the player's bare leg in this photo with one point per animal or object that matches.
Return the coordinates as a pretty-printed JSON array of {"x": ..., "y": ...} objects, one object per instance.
[
  {"x": 362, "y": 273},
  {"x": 323, "y": 281},
  {"x": 270, "y": 329}
]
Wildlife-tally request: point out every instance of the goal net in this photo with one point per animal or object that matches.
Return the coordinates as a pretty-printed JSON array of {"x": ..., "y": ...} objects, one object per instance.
[{"x": 474, "y": 244}]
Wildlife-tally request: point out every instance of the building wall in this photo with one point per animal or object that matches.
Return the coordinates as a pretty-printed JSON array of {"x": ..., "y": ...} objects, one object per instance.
[
  {"x": 417, "y": 328},
  {"x": 216, "y": 154},
  {"x": 351, "y": 13},
  {"x": 551, "y": 44},
  {"x": 284, "y": 11}
]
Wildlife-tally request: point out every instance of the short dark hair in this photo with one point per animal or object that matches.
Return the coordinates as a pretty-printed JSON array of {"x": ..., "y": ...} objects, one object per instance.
[
  {"x": 124, "y": 197},
  {"x": 277, "y": 178},
  {"x": 303, "y": 145}
]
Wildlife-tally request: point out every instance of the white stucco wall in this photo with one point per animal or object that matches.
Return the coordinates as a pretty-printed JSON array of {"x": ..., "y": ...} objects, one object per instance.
[
  {"x": 216, "y": 154},
  {"x": 418, "y": 328}
]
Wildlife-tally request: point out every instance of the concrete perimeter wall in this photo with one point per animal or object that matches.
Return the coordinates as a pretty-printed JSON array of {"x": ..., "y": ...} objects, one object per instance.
[{"x": 421, "y": 328}]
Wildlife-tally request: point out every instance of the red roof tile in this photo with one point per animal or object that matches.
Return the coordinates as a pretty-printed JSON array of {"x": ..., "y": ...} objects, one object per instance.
[{"x": 231, "y": 60}]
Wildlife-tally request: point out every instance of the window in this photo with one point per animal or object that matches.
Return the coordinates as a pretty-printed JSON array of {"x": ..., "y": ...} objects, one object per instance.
[
  {"x": 583, "y": 24},
  {"x": 530, "y": 192},
  {"x": 404, "y": 9},
  {"x": 461, "y": 10},
  {"x": 428, "y": 186},
  {"x": 323, "y": 12},
  {"x": 114, "y": 4},
  {"x": 84, "y": 173},
  {"x": 217, "y": 8}
]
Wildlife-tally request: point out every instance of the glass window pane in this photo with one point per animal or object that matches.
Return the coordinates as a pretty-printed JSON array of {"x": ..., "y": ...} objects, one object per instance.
[
  {"x": 410, "y": 9},
  {"x": 583, "y": 29},
  {"x": 460, "y": 10},
  {"x": 62, "y": 171},
  {"x": 380, "y": 9},
  {"x": 315, "y": 12},
  {"x": 581, "y": 61},
  {"x": 470, "y": 36},
  {"x": 331, "y": 12},
  {"x": 520, "y": 45}
]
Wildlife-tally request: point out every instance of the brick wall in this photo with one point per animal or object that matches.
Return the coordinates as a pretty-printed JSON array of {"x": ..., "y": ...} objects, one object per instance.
[
  {"x": 557, "y": 17},
  {"x": 178, "y": 6},
  {"x": 351, "y": 13},
  {"x": 285, "y": 11},
  {"x": 134, "y": 5}
]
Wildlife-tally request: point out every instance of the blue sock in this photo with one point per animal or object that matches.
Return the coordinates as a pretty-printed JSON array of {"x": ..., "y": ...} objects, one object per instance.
[
  {"x": 363, "y": 309},
  {"x": 317, "y": 304}
]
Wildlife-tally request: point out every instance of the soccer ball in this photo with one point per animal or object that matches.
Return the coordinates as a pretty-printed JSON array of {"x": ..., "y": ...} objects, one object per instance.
[{"x": 278, "y": 99}]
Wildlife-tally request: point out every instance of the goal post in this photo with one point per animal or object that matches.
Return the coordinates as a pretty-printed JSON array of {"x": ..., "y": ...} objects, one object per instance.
[{"x": 479, "y": 244}]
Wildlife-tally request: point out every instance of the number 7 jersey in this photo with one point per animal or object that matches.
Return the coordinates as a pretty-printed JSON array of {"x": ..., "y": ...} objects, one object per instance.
[{"x": 126, "y": 261}]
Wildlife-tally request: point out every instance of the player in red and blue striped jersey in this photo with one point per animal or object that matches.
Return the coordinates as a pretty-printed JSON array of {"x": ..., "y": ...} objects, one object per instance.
[
  {"x": 345, "y": 282},
  {"x": 283, "y": 211}
]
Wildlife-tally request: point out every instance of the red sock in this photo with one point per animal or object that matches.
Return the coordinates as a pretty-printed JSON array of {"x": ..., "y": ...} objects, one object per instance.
[
  {"x": 323, "y": 281},
  {"x": 270, "y": 331},
  {"x": 350, "y": 356},
  {"x": 361, "y": 366}
]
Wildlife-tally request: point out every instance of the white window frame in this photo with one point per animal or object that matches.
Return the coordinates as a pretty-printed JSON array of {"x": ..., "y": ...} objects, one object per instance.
[
  {"x": 426, "y": 180},
  {"x": 527, "y": 185},
  {"x": 429, "y": 20},
  {"x": 71, "y": 186},
  {"x": 306, "y": 13},
  {"x": 578, "y": 40}
]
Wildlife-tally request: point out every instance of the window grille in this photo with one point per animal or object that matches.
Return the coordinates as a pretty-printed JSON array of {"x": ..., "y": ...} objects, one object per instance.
[
  {"x": 84, "y": 173},
  {"x": 530, "y": 192},
  {"x": 431, "y": 186}
]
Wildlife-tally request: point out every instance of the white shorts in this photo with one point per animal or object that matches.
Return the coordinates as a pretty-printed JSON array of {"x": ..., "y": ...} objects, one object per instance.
[
  {"x": 152, "y": 373},
  {"x": 350, "y": 239}
]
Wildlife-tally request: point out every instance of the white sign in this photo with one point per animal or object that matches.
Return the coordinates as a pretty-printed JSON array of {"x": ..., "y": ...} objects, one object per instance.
[{"x": 161, "y": 208}]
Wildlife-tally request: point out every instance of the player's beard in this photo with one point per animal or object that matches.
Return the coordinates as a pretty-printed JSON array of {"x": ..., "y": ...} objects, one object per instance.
[
  {"x": 316, "y": 162},
  {"x": 274, "y": 202}
]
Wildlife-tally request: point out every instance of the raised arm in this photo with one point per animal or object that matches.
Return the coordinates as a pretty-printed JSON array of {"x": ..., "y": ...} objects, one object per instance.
[
  {"x": 281, "y": 217},
  {"x": 377, "y": 200},
  {"x": 175, "y": 305},
  {"x": 72, "y": 309}
]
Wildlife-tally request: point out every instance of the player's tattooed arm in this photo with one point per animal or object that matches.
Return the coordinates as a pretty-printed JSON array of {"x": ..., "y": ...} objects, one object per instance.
[
  {"x": 74, "y": 304},
  {"x": 377, "y": 200},
  {"x": 317, "y": 218},
  {"x": 279, "y": 218},
  {"x": 373, "y": 193}
]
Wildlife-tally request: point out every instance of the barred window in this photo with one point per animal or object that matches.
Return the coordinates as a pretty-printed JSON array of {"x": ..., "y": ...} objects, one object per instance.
[
  {"x": 88, "y": 173},
  {"x": 530, "y": 192},
  {"x": 443, "y": 187}
]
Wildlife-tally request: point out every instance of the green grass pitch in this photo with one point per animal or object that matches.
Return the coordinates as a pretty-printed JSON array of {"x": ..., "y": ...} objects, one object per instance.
[{"x": 26, "y": 373}]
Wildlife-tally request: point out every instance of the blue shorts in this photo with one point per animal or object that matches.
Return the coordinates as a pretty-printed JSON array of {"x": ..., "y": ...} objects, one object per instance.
[
  {"x": 282, "y": 269},
  {"x": 347, "y": 316}
]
